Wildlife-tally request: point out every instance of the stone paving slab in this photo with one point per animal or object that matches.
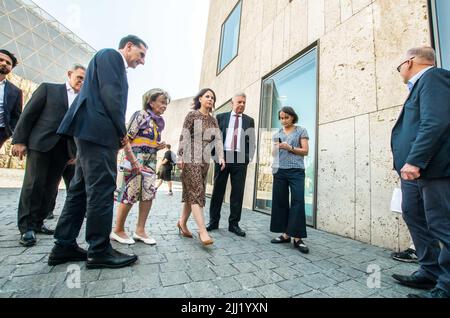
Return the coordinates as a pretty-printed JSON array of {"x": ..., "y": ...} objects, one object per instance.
[{"x": 178, "y": 267}]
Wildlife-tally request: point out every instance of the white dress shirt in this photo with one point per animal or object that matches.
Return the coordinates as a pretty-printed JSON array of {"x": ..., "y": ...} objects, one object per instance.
[
  {"x": 2, "y": 98},
  {"x": 230, "y": 133},
  {"x": 71, "y": 95}
]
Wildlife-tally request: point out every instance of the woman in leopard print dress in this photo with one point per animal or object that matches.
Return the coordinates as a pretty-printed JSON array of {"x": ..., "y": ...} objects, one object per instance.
[{"x": 200, "y": 134}]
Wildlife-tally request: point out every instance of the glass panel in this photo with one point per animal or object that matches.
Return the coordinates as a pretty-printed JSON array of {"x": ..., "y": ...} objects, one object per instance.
[
  {"x": 58, "y": 52},
  {"x": 47, "y": 51},
  {"x": 18, "y": 28},
  {"x": 296, "y": 86},
  {"x": 11, "y": 5},
  {"x": 21, "y": 16},
  {"x": 443, "y": 19},
  {"x": 45, "y": 61},
  {"x": 25, "y": 51},
  {"x": 27, "y": 39},
  {"x": 2, "y": 7},
  {"x": 54, "y": 72},
  {"x": 4, "y": 39},
  {"x": 53, "y": 33},
  {"x": 40, "y": 42},
  {"x": 31, "y": 72},
  {"x": 58, "y": 42},
  {"x": 41, "y": 29},
  {"x": 230, "y": 37},
  {"x": 5, "y": 26},
  {"x": 33, "y": 61},
  {"x": 34, "y": 20}
]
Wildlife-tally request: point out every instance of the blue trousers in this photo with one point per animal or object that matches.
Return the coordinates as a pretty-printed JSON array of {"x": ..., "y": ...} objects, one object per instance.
[{"x": 426, "y": 211}]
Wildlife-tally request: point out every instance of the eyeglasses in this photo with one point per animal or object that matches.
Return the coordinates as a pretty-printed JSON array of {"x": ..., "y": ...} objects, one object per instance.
[{"x": 400, "y": 66}]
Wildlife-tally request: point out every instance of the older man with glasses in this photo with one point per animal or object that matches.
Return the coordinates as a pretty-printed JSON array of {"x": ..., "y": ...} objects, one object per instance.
[{"x": 421, "y": 149}]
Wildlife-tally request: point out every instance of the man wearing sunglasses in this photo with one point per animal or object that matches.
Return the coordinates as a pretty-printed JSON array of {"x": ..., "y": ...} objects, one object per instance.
[{"x": 421, "y": 149}]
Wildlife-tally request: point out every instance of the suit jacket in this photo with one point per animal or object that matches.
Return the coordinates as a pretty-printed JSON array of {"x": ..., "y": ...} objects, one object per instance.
[
  {"x": 41, "y": 118},
  {"x": 12, "y": 104},
  {"x": 98, "y": 113},
  {"x": 248, "y": 143},
  {"x": 421, "y": 136}
]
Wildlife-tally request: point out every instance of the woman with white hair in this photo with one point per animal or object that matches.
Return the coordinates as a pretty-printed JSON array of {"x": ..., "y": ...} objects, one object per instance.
[{"x": 144, "y": 135}]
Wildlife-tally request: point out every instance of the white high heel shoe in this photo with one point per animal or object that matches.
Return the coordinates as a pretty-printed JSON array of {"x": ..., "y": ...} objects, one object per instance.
[
  {"x": 117, "y": 238},
  {"x": 148, "y": 241}
]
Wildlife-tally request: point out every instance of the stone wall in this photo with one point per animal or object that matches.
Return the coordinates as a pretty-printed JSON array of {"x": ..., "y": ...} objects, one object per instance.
[{"x": 360, "y": 44}]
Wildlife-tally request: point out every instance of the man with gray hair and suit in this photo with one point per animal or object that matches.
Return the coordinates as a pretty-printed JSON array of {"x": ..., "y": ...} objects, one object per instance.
[
  {"x": 421, "y": 149},
  {"x": 47, "y": 153},
  {"x": 238, "y": 132}
]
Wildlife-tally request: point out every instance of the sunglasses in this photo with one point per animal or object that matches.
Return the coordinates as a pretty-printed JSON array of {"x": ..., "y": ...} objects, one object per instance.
[{"x": 400, "y": 66}]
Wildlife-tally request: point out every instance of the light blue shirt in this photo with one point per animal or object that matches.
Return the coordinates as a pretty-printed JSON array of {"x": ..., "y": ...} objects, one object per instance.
[
  {"x": 412, "y": 82},
  {"x": 285, "y": 159},
  {"x": 2, "y": 98}
]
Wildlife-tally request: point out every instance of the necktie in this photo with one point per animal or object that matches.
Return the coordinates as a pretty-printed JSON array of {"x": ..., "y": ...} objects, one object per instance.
[{"x": 235, "y": 133}]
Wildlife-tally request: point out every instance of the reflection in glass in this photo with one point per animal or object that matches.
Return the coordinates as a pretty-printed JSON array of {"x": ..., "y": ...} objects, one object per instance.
[
  {"x": 295, "y": 86},
  {"x": 230, "y": 38}
]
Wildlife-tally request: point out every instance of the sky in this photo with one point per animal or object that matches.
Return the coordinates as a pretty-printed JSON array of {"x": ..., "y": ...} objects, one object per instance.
[{"x": 173, "y": 29}]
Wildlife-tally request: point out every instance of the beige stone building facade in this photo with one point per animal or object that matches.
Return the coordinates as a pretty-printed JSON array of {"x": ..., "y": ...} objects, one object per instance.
[{"x": 352, "y": 95}]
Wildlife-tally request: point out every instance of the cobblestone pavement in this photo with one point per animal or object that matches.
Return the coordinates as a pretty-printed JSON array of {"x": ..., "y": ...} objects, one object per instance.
[{"x": 181, "y": 268}]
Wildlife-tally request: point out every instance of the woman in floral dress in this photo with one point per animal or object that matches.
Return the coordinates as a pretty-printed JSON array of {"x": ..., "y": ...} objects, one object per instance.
[{"x": 144, "y": 136}]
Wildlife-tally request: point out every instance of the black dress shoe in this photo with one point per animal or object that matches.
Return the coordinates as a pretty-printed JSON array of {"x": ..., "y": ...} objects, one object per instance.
[
  {"x": 435, "y": 293},
  {"x": 415, "y": 281},
  {"x": 112, "y": 259},
  {"x": 281, "y": 240},
  {"x": 28, "y": 239},
  {"x": 301, "y": 246},
  {"x": 45, "y": 230},
  {"x": 62, "y": 255},
  {"x": 212, "y": 227},
  {"x": 236, "y": 230}
]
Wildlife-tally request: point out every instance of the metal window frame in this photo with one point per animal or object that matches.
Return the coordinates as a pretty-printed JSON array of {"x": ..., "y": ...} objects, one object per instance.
[
  {"x": 219, "y": 70},
  {"x": 434, "y": 30},
  {"x": 308, "y": 49}
]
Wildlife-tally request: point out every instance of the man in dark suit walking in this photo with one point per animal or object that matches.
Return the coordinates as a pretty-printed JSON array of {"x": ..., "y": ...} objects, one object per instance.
[
  {"x": 421, "y": 149},
  {"x": 47, "y": 153},
  {"x": 97, "y": 122},
  {"x": 10, "y": 97},
  {"x": 238, "y": 132}
]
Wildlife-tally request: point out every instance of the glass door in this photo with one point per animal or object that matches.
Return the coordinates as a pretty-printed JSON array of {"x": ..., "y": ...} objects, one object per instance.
[{"x": 295, "y": 85}]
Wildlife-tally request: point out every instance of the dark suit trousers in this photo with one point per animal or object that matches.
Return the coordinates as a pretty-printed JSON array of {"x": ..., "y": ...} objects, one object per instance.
[
  {"x": 3, "y": 137},
  {"x": 91, "y": 193},
  {"x": 42, "y": 174},
  {"x": 68, "y": 174},
  {"x": 238, "y": 174},
  {"x": 426, "y": 211}
]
